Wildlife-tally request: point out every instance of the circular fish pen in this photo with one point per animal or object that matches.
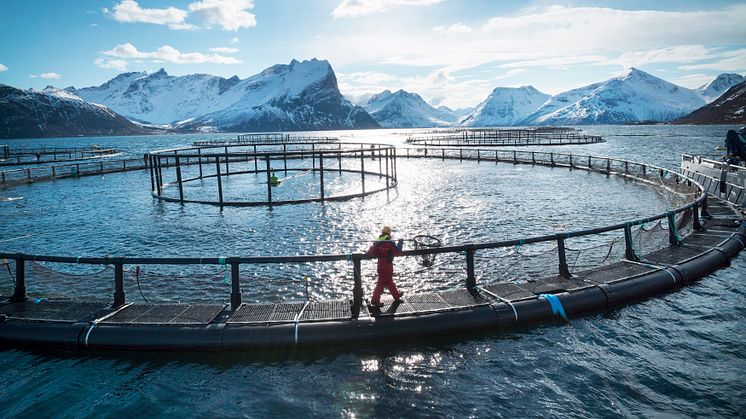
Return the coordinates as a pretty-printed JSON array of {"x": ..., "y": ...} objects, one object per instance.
[
  {"x": 338, "y": 172},
  {"x": 30, "y": 156},
  {"x": 700, "y": 235},
  {"x": 504, "y": 137}
]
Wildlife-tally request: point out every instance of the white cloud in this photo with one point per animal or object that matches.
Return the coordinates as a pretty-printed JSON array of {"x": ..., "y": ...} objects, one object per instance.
[
  {"x": 225, "y": 50},
  {"x": 3, "y": 68},
  {"x": 51, "y": 75},
  {"x": 130, "y": 11},
  {"x": 356, "y": 8},
  {"x": 169, "y": 54},
  {"x": 231, "y": 15},
  {"x": 677, "y": 54},
  {"x": 732, "y": 61},
  {"x": 693, "y": 81},
  {"x": 233, "y": 41},
  {"x": 453, "y": 29},
  {"x": 183, "y": 27},
  {"x": 120, "y": 65}
]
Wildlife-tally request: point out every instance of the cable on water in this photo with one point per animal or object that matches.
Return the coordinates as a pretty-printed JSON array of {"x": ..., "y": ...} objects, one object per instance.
[
  {"x": 137, "y": 280},
  {"x": 12, "y": 277}
]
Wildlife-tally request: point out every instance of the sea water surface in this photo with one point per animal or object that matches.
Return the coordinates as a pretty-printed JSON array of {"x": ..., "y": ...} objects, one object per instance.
[{"x": 681, "y": 354}]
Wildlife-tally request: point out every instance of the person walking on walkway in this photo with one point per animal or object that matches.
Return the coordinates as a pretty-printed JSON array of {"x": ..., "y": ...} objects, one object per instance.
[{"x": 385, "y": 250}]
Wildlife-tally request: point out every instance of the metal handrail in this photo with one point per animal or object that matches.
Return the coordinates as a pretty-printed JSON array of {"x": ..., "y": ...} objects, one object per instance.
[{"x": 469, "y": 249}]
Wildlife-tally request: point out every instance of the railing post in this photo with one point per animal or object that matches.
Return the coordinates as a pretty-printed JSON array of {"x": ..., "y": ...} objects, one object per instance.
[
  {"x": 321, "y": 174},
  {"x": 285, "y": 158},
  {"x": 629, "y": 251},
  {"x": 119, "y": 297},
  {"x": 362, "y": 171},
  {"x": 696, "y": 224},
  {"x": 199, "y": 157},
  {"x": 256, "y": 165},
  {"x": 178, "y": 180},
  {"x": 388, "y": 183},
  {"x": 471, "y": 280},
  {"x": 19, "y": 294},
  {"x": 235, "y": 284},
  {"x": 269, "y": 183},
  {"x": 357, "y": 290},
  {"x": 564, "y": 271},
  {"x": 220, "y": 181},
  {"x": 339, "y": 158},
  {"x": 705, "y": 214},
  {"x": 673, "y": 236}
]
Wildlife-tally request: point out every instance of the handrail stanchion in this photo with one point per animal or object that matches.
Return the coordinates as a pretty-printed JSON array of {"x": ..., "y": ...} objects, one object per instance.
[
  {"x": 321, "y": 174},
  {"x": 564, "y": 271},
  {"x": 152, "y": 178},
  {"x": 673, "y": 237},
  {"x": 629, "y": 251},
  {"x": 235, "y": 284},
  {"x": 119, "y": 297},
  {"x": 705, "y": 214},
  {"x": 471, "y": 280},
  {"x": 269, "y": 180},
  {"x": 179, "y": 181},
  {"x": 696, "y": 223},
  {"x": 19, "y": 294},
  {"x": 357, "y": 290},
  {"x": 220, "y": 181}
]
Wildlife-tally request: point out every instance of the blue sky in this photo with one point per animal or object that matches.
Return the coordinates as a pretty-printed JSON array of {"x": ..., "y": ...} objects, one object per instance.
[{"x": 451, "y": 52}]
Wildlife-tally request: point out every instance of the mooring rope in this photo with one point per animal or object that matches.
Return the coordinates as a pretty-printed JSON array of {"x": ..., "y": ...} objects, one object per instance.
[
  {"x": 12, "y": 277},
  {"x": 506, "y": 301}
]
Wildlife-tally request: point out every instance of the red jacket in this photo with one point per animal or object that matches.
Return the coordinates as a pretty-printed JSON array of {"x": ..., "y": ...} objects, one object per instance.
[{"x": 385, "y": 250}]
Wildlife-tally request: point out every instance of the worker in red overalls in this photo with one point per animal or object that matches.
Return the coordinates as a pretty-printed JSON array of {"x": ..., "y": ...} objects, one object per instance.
[{"x": 385, "y": 250}]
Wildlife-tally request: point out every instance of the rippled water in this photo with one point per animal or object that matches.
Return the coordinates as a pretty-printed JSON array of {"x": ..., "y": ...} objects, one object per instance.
[{"x": 680, "y": 355}]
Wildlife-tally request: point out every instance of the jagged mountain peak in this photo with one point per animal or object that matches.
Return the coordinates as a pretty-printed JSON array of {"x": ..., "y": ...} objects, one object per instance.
[
  {"x": 403, "y": 109},
  {"x": 729, "y": 108},
  {"x": 714, "y": 89},
  {"x": 299, "y": 95},
  {"x": 506, "y": 106},
  {"x": 635, "y": 96}
]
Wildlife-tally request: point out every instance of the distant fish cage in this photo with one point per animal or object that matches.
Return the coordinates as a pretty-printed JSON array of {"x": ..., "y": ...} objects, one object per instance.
[
  {"x": 504, "y": 137},
  {"x": 267, "y": 138},
  {"x": 52, "y": 154}
]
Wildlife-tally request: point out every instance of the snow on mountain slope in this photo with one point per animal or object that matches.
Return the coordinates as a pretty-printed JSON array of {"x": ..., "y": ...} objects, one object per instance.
[
  {"x": 717, "y": 87},
  {"x": 300, "y": 95},
  {"x": 505, "y": 106},
  {"x": 55, "y": 113},
  {"x": 156, "y": 98},
  {"x": 636, "y": 96},
  {"x": 729, "y": 108},
  {"x": 402, "y": 109}
]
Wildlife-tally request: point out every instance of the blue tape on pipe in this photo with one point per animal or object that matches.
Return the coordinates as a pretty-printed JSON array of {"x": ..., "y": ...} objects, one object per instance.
[{"x": 556, "y": 305}]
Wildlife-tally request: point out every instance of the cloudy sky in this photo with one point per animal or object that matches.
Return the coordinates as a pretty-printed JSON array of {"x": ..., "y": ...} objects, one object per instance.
[{"x": 452, "y": 52}]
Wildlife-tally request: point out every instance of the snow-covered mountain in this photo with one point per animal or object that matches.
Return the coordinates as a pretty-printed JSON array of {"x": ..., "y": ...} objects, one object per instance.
[
  {"x": 717, "y": 87},
  {"x": 298, "y": 96},
  {"x": 634, "y": 97},
  {"x": 505, "y": 106},
  {"x": 729, "y": 108},
  {"x": 56, "y": 113},
  {"x": 403, "y": 109}
]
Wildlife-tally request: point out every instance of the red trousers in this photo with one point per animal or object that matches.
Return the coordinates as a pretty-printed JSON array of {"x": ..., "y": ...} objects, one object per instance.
[{"x": 385, "y": 280}]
